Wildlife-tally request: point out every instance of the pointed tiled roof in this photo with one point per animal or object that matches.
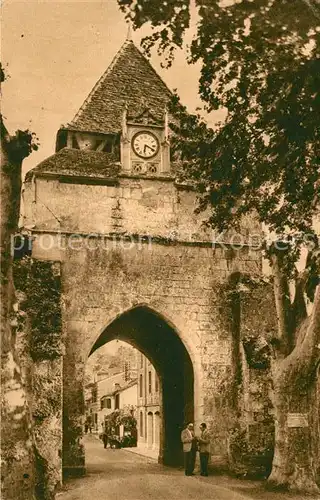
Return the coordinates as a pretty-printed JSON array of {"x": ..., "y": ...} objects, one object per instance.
[{"x": 130, "y": 80}]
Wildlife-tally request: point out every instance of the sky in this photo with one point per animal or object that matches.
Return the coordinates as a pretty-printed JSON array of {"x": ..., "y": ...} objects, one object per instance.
[{"x": 54, "y": 53}]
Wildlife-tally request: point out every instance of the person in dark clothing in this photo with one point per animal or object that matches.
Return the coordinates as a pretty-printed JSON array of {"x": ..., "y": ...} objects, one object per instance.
[
  {"x": 105, "y": 438},
  {"x": 204, "y": 449},
  {"x": 105, "y": 435}
]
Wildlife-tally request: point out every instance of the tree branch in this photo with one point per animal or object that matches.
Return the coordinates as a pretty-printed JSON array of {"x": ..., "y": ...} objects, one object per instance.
[
  {"x": 312, "y": 7},
  {"x": 282, "y": 300},
  {"x": 303, "y": 360},
  {"x": 298, "y": 312}
]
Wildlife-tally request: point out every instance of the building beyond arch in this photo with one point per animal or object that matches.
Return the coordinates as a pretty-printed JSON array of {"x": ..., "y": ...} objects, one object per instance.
[{"x": 155, "y": 338}]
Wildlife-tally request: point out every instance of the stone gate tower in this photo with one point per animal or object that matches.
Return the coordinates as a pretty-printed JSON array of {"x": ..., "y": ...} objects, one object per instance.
[{"x": 136, "y": 263}]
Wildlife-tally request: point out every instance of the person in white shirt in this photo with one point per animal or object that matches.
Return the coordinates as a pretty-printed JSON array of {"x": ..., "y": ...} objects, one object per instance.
[{"x": 189, "y": 442}]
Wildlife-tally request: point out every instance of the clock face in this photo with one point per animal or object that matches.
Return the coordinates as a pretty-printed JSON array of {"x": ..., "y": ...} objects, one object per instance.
[{"x": 145, "y": 144}]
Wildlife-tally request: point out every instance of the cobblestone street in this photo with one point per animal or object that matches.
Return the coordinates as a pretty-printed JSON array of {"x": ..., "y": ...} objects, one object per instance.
[{"x": 122, "y": 475}]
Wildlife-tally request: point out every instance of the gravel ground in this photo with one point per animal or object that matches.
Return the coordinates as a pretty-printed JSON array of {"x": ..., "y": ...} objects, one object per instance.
[{"x": 121, "y": 475}]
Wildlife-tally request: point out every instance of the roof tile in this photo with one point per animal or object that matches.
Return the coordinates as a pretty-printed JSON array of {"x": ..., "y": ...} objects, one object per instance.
[
  {"x": 130, "y": 80},
  {"x": 79, "y": 162}
]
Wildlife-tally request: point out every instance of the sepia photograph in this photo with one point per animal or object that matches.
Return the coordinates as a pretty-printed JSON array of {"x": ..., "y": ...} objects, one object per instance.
[{"x": 160, "y": 249}]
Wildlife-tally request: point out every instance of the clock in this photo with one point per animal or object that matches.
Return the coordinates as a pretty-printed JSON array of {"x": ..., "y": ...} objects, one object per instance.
[{"x": 145, "y": 144}]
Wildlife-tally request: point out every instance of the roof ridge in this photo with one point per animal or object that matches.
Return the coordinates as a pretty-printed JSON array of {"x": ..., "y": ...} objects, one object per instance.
[
  {"x": 101, "y": 80},
  {"x": 108, "y": 72},
  {"x": 154, "y": 71},
  {"x": 112, "y": 376}
]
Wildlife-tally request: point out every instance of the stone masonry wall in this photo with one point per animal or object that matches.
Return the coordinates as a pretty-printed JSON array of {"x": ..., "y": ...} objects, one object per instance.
[
  {"x": 134, "y": 206},
  {"x": 181, "y": 283},
  {"x": 255, "y": 434},
  {"x": 40, "y": 349},
  {"x": 175, "y": 271}
]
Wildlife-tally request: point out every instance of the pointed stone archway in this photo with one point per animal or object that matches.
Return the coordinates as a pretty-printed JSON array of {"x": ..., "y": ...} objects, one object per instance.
[{"x": 159, "y": 341}]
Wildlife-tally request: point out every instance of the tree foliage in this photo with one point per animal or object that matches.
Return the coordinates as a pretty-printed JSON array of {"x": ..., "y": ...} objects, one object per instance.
[
  {"x": 21, "y": 144},
  {"x": 260, "y": 61},
  {"x": 41, "y": 290},
  {"x": 124, "y": 417}
]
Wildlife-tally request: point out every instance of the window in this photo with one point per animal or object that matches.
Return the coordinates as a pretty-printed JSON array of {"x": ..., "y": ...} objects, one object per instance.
[
  {"x": 156, "y": 383},
  {"x": 75, "y": 144},
  {"x": 117, "y": 402},
  {"x": 150, "y": 382},
  {"x": 141, "y": 424},
  {"x": 106, "y": 403},
  {"x": 141, "y": 360},
  {"x": 94, "y": 394},
  {"x": 140, "y": 386},
  {"x": 107, "y": 148}
]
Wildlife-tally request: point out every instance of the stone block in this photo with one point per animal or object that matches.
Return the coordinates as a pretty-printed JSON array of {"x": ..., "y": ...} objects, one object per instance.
[
  {"x": 126, "y": 192},
  {"x": 136, "y": 194}
]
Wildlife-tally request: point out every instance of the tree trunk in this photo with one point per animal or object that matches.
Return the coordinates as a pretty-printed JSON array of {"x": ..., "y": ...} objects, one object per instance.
[
  {"x": 16, "y": 443},
  {"x": 294, "y": 379},
  {"x": 292, "y": 466}
]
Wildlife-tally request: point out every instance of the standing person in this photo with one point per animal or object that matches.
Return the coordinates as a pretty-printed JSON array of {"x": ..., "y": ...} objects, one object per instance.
[
  {"x": 204, "y": 449},
  {"x": 105, "y": 436},
  {"x": 189, "y": 449}
]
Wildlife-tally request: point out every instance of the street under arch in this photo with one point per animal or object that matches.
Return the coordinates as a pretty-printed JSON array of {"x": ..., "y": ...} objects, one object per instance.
[{"x": 159, "y": 341}]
